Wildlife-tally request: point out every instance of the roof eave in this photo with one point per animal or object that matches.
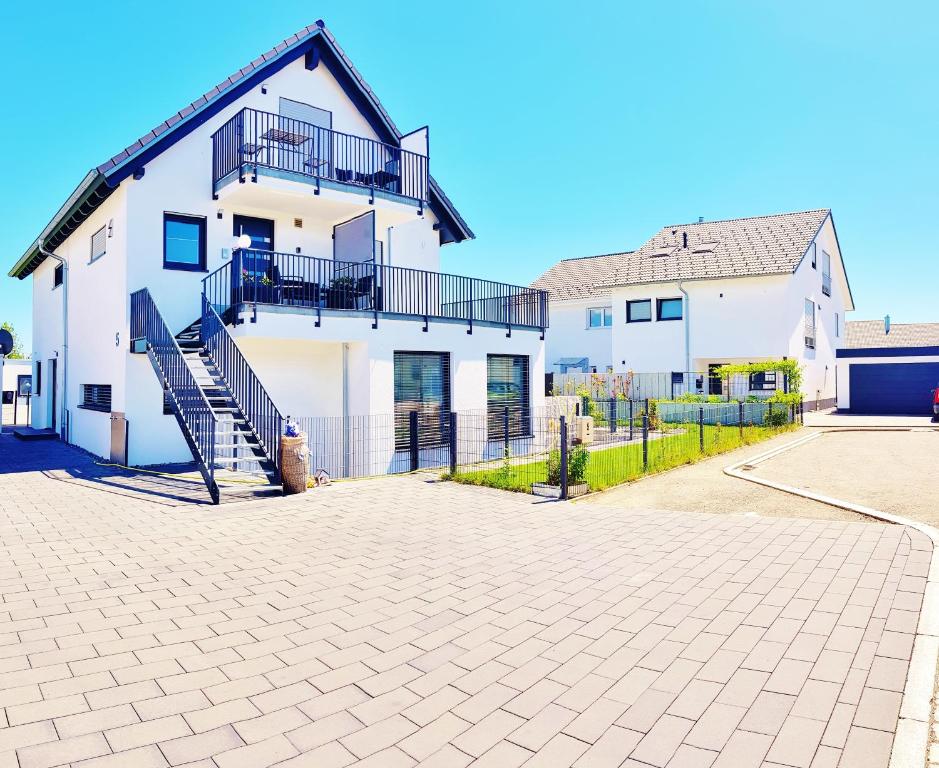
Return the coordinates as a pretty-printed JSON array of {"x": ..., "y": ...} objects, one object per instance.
[{"x": 79, "y": 197}]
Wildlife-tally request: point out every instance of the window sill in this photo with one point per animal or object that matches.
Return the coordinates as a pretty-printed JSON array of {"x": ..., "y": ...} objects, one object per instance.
[
  {"x": 668, "y": 319},
  {"x": 631, "y": 322},
  {"x": 94, "y": 408},
  {"x": 183, "y": 268}
]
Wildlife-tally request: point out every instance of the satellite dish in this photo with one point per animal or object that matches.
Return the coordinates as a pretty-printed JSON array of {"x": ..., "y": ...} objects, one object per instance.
[{"x": 6, "y": 342}]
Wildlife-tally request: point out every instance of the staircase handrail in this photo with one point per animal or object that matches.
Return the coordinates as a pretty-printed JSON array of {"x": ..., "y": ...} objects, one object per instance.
[{"x": 249, "y": 394}]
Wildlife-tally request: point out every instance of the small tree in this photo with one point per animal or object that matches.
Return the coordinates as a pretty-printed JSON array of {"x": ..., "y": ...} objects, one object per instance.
[{"x": 17, "y": 353}]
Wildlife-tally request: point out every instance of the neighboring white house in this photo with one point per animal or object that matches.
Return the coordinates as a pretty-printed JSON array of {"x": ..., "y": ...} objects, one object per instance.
[
  {"x": 15, "y": 387},
  {"x": 701, "y": 295},
  {"x": 287, "y": 204},
  {"x": 888, "y": 368}
]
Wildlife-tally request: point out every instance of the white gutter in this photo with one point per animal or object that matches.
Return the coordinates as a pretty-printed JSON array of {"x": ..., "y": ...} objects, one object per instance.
[{"x": 65, "y": 282}]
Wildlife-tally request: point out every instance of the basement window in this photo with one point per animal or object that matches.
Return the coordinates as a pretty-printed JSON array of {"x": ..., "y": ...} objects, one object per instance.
[{"x": 96, "y": 397}]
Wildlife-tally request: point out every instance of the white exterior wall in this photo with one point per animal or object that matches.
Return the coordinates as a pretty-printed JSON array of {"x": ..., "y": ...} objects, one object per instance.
[
  {"x": 12, "y": 369},
  {"x": 301, "y": 376},
  {"x": 570, "y": 336},
  {"x": 311, "y": 383},
  {"x": 732, "y": 320}
]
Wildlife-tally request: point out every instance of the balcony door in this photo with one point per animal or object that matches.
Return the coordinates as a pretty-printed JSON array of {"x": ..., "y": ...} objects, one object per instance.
[
  {"x": 261, "y": 231},
  {"x": 313, "y": 128},
  {"x": 354, "y": 257}
]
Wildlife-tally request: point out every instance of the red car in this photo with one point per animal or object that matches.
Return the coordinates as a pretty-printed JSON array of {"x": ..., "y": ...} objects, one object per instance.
[{"x": 935, "y": 404}]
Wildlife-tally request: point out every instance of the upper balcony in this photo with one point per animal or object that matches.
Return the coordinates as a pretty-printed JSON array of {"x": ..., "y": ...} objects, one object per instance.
[
  {"x": 255, "y": 142},
  {"x": 312, "y": 285}
]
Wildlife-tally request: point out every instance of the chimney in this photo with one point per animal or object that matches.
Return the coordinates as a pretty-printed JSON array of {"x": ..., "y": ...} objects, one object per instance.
[
  {"x": 886, "y": 324},
  {"x": 684, "y": 239},
  {"x": 700, "y": 219}
]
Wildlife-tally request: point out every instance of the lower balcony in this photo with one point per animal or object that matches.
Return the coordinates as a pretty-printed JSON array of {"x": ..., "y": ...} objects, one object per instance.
[{"x": 314, "y": 285}]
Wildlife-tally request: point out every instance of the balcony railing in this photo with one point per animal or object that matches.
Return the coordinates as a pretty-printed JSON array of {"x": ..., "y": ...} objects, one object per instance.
[
  {"x": 253, "y": 139},
  {"x": 286, "y": 279},
  {"x": 826, "y": 284}
]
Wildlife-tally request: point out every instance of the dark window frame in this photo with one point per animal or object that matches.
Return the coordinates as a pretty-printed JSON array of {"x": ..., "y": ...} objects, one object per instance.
[
  {"x": 186, "y": 218},
  {"x": 58, "y": 276},
  {"x": 20, "y": 378},
  {"x": 658, "y": 309},
  {"x": 762, "y": 381},
  {"x": 439, "y": 433},
  {"x": 94, "y": 397},
  {"x": 520, "y": 415},
  {"x": 629, "y": 305}
]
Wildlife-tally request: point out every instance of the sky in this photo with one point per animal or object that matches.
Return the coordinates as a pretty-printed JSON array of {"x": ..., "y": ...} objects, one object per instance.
[{"x": 558, "y": 129}]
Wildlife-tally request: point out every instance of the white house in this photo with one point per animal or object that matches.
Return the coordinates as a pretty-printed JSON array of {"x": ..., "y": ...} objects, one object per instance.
[
  {"x": 288, "y": 235},
  {"x": 888, "y": 368},
  {"x": 701, "y": 295},
  {"x": 15, "y": 386}
]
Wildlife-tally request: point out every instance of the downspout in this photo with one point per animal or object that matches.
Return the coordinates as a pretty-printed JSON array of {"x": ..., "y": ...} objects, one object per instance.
[
  {"x": 687, "y": 315},
  {"x": 65, "y": 282}
]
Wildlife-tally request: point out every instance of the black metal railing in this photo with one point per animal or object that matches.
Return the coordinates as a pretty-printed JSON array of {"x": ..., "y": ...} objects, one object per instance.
[
  {"x": 245, "y": 387},
  {"x": 187, "y": 398},
  {"x": 254, "y": 139},
  {"x": 266, "y": 277}
]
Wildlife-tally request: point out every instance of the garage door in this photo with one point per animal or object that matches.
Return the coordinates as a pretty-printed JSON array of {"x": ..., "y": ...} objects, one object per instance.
[{"x": 904, "y": 388}]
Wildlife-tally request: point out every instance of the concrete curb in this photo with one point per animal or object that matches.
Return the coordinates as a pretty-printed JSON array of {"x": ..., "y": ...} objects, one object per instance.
[{"x": 911, "y": 742}]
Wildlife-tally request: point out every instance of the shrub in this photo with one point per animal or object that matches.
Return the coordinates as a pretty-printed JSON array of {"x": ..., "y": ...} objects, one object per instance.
[
  {"x": 689, "y": 397},
  {"x": 776, "y": 417},
  {"x": 577, "y": 461},
  {"x": 554, "y": 467}
]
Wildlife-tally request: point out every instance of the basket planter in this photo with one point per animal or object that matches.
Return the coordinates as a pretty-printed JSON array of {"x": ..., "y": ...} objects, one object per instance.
[
  {"x": 294, "y": 463},
  {"x": 554, "y": 491}
]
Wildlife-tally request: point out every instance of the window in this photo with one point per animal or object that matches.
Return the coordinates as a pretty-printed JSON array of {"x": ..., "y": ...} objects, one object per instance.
[
  {"x": 422, "y": 385},
  {"x": 58, "y": 275},
  {"x": 507, "y": 394},
  {"x": 639, "y": 311},
  {"x": 183, "y": 242},
  {"x": 96, "y": 397},
  {"x": 837, "y": 326},
  {"x": 826, "y": 273},
  {"x": 37, "y": 377},
  {"x": 99, "y": 244},
  {"x": 24, "y": 385},
  {"x": 809, "y": 324},
  {"x": 599, "y": 317},
  {"x": 814, "y": 255},
  {"x": 763, "y": 380},
  {"x": 668, "y": 309}
]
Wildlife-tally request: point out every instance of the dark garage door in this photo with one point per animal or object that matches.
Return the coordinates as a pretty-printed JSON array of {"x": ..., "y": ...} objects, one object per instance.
[{"x": 904, "y": 388}]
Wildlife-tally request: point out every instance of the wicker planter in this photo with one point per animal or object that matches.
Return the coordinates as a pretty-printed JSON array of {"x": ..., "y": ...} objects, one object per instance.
[{"x": 294, "y": 463}]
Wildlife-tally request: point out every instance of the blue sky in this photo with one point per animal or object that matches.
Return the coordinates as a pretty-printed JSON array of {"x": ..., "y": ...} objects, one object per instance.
[{"x": 558, "y": 129}]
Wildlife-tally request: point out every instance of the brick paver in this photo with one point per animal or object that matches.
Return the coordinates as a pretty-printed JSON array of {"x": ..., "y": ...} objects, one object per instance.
[{"x": 403, "y": 622}]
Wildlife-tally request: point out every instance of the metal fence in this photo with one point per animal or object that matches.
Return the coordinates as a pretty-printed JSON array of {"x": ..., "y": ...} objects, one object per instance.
[
  {"x": 687, "y": 386},
  {"x": 547, "y": 451}
]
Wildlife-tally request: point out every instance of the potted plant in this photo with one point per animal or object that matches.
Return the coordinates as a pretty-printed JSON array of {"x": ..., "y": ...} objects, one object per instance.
[
  {"x": 248, "y": 286},
  {"x": 577, "y": 459},
  {"x": 341, "y": 294}
]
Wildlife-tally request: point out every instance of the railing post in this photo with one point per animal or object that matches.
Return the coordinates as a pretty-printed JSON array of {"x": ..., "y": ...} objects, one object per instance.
[
  {"x": 412, "y": 433},
  {"x": 453, "y": 443},
  {"x": 801, "y": 413},
  {"x": 770, "y": 413},
  {"x": 563, "y": 436},
  {"x": 630, "y": 418},
  {"x": 645, "y": 441},
  {"x": 740, "y": 416},
  {"x": 505, "y": 430},
  {"x": 701, "y": 428}
]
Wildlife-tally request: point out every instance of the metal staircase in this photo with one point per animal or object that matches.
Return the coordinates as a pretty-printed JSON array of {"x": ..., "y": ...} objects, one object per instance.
[
  {"x": 219, "y": 424},
  {"x": 237, "y": 445}
]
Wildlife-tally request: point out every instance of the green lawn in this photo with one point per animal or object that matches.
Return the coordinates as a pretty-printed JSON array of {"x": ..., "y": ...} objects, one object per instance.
[{"x": 620, "y": 464}]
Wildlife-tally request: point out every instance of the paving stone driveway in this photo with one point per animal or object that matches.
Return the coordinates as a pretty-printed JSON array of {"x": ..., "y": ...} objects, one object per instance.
[{"x": 400, "y": 622}]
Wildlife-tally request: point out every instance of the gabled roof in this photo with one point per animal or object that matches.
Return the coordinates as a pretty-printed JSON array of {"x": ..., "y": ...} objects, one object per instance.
[
  {"x": 314, "y": 40},
  {"x": 581, "y": 277},
  {"x": 761, "y": 245},
  {"x": 864, "y": 334}
]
